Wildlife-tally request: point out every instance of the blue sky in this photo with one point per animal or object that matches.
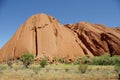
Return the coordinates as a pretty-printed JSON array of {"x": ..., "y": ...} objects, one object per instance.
[{"x": 13, "y": 13}]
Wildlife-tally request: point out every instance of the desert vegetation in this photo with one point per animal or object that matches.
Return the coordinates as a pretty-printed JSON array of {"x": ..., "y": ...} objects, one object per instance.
[
  {"x": 27, "y": 59},
  {"x": 85, "y": 68}
]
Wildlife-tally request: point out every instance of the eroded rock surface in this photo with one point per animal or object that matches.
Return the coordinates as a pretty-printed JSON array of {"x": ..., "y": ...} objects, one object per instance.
[
  {"x": 44, "y": 34},
  {"x": 98, "y": 39}
]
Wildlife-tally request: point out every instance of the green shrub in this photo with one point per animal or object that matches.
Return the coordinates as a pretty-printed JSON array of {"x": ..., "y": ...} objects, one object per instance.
[
  {"x": 77, "y": 61},
  {"x": 60, "y": 60},
  {"x": 57, "y": 59},
  {"x": 82, "y": 60},
  {"x": 99, "y": 61},
  {"x": 83, "y": 68},
  {"x": 43, "y": 63},
  {"x": 85, "y": 60},
  {"x": 27, "y": 59},
  {"x": 116, "y": 60},
  {"x": 105, "y": 60}
]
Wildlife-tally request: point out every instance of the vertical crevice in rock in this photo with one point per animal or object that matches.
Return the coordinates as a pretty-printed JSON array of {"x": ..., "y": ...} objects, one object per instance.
[
  {"x": 110, "y": 48},
  {"x": 105, "y": 38},
  {"x": 36, "y": 42},
  {"x": 78, "y": 36},
  {"x": 77, "y": 41},
  {"x": 81, "y": 37},
  {"x": 84, "y": 50},
  {"x": 98, "y": 44}
]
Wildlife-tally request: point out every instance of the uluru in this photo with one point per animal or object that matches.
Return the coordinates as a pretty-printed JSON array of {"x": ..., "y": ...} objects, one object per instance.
[{"x": 44, "y": 34}]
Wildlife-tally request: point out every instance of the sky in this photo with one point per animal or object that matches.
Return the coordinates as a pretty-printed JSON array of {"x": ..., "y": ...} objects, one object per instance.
[{"x": 13, "y": 13}]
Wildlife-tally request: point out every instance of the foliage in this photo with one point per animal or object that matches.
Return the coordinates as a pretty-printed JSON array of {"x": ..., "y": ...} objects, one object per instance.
[
  {"x": 58, "y": 59},
  {"x": 102, "y": 60},
  {"x": 105, "y": 60},
  {"x": 77, "y": 61},
  {"x": 116, "y": 60},
  {"x": 83, "y": 68},
  {"x": 86, "y": 59},
  {"x": 43, "y": 63},
  {"x": 82, "y": 60},
  {"x": 26, "y": 59},
  {"x": 61, "y": 60}
]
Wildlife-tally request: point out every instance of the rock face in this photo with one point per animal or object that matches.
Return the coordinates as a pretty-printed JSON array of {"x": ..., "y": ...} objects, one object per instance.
[
  {"x": 44, "y": 34},
  {"x": 98, "y": 39}
]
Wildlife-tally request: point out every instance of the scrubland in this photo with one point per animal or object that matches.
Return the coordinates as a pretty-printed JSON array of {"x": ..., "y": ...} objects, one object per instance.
[{"x": 78, "y": 70}]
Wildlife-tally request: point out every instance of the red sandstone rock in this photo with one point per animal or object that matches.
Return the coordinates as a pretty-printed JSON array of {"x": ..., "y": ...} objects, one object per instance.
[
  {"x": 98, "y": 39},
  {"x": 44, "y": 36}
]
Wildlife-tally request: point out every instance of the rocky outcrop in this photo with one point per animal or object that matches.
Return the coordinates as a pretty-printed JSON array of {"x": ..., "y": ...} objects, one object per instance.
[
  {"x": 44, "y": 35},
  {"x": 98, "y": 39}
]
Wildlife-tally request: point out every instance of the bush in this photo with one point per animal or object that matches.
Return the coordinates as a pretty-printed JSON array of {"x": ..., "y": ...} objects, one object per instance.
[
  {"x": 101, "y": 61},
  {"x": 116, "y": 60},
  {"x": 77, "y": 61},
  {"x": 86, "y": 59},
  {"x": 57, "y": 59},
  {"x": 82, "y": 60},
  {"x": 26, "y": 59},
  {"x": 43, "y": 63},
  {"x": 83, "y": 68},
  {"x": 105, "y": 60}
]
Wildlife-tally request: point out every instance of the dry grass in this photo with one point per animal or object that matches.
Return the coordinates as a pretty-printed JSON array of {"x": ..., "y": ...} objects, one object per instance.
[{"x": 56, "y": 72}]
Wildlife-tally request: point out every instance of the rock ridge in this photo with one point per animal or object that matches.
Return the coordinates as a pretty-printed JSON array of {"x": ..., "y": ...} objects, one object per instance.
[{"x": 43, "y": 34}]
